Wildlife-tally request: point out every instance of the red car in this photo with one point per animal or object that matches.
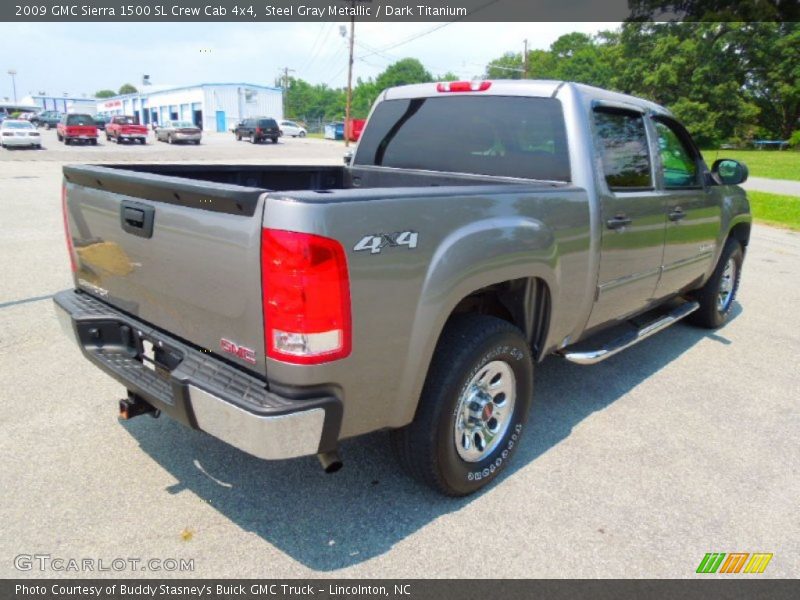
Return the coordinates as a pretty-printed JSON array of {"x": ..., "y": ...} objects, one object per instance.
[
  {"x": 77, "y": 128},
  {"x": 125, "y": 129}
]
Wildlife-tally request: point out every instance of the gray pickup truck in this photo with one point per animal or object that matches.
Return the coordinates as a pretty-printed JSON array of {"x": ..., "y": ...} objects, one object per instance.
[{"x": 478, "y": 227}]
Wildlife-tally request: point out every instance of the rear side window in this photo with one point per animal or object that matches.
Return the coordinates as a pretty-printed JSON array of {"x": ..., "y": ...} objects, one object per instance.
[
  {"x": 80, "y": 120},
  {"x": 508, "y": 136},
  {"x": 622, "y": 142},
  {"x": 267, "y": 123}
]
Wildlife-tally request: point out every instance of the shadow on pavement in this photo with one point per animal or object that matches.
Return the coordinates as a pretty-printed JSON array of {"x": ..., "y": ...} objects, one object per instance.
[{"x": 329, "y": 522}]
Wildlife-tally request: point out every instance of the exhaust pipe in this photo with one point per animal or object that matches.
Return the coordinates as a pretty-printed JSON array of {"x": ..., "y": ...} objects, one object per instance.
[
  {"x": 330, "y": 461},
  {"x": 133, "y": 406}
]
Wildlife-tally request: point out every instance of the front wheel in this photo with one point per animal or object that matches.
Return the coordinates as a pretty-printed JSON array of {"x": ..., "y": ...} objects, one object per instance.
[
  {"x": 302, "y": 134},
  {"x": 716, "y": 297},
  {"x": 473, "y": 406}
]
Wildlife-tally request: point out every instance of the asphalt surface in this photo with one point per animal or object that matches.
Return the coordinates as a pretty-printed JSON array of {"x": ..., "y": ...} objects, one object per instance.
[
  {"x": 636, "y": 467},
  {"x": 773, "y": 186}
]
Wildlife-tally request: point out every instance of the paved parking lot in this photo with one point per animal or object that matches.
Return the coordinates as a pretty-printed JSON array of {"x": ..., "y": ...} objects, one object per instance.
[{"x": 636, "y": 467}]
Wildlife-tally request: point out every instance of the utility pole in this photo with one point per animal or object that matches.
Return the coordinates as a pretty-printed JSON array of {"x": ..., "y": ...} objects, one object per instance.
[
  {"x": 525, "y": 60},
  {"x": 13, "y": 73},
  {"x": 349, "y": 81},
  {"x": 286, "y": 71}
]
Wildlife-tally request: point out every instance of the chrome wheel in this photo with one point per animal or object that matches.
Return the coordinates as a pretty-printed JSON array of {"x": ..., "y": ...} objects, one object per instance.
[
  {"x": 727, "y": 286},
  {"x": 484, "y": 411}
]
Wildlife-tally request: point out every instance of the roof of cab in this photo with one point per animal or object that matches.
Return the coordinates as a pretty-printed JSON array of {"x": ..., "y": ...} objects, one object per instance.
[{"x": 537, "y": 88}]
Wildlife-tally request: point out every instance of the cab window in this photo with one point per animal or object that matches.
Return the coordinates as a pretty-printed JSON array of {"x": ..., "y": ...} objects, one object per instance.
[{"x": 622, "y": 143}]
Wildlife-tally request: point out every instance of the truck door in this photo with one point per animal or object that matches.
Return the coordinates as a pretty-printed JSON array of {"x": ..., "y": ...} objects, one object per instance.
[
  {"x": 693, "y": 210},
  {"x": 632, "y": 213}
]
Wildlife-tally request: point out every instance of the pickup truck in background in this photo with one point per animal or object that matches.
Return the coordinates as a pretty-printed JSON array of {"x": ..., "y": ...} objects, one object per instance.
[
  {"x": 77, "y": 128},
  {"x": 122, "y": 128},
  {"x": 47, "y": 119},
  {"x": 478, "y": 228}
]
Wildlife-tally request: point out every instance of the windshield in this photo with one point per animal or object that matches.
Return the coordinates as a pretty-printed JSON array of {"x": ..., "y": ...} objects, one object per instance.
[
  {"x": 17, "y": 125},
  {"x": 507, "y": 136},
  {"x": 80, "y": 120}
]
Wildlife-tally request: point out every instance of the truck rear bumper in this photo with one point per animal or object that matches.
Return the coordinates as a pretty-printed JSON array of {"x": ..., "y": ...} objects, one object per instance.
[{"x": 194, "y": 387}]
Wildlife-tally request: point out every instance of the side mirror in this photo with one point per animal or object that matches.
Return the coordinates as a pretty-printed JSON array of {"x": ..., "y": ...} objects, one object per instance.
[
  {"x": 729, "y": 171},
  {"x": 348, "y": 157}
]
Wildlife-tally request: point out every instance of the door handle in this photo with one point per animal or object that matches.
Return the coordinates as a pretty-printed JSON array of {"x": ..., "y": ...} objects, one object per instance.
[
  {"x": 618, "y": 222},
  {"x": 676, "y": 214}
]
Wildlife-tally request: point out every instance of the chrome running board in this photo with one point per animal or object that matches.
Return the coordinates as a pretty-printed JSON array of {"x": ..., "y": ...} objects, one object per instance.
[{"x": 591, "y": 357}]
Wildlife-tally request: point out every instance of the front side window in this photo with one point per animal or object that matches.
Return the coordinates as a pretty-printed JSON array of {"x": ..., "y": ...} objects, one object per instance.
[
  {"x": 678, "y": 163},
  {"x": 623, "y": 145}
]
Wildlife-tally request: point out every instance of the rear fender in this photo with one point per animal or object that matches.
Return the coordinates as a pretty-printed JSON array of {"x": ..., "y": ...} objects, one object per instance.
[{"x": 481, "y": 254}]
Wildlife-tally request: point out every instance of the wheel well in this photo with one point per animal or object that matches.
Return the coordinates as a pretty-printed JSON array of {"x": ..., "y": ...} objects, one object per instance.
[
  {"x": 741, "y": 232},
  {"x": 524, "y": 303}
]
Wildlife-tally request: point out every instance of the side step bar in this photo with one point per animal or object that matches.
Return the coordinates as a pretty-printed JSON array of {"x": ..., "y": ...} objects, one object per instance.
[{"x": 591, "y": 357}]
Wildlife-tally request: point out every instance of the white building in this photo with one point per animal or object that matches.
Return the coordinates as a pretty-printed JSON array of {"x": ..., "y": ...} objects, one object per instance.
[
  {"x": 64, "y": 104},
  {"x": 213, "y": 106}
]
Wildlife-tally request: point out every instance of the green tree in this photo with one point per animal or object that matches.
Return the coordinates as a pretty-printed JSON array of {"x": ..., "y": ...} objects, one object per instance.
[
  {"x": 127, "y": 88},
  {"x": 105, "y": 93},
  {"x": 403, "y": 72}
]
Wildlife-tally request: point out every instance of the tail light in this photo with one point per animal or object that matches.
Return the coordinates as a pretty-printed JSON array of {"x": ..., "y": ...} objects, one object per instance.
[
  {"x": 258, "y": 129},
  {"x": 463, "y": 86},
  {"x": 70, "y": 249},
  {"x": 306, "y": 297}
]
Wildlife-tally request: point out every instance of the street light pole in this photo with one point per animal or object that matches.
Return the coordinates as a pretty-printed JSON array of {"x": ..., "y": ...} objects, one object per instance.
[
  {"x": 13, "y": 73},
  {"x": 349, "y": 83}
]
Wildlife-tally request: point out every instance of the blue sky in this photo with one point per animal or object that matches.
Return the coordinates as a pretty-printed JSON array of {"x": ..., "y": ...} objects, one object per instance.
[{"x": 81, "y": 58}]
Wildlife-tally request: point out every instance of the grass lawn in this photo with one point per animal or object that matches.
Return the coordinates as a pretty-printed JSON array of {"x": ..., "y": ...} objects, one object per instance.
[
  {"x": 772, "y": 209},
  {"x": 773, "y": 164}
]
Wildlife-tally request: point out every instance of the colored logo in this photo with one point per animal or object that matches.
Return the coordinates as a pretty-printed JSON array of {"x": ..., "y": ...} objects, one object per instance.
[{"x": 735, "y": 562}]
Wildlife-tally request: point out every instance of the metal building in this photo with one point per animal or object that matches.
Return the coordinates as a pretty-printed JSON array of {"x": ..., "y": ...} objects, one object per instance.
[
  {"x": 212, "y": 106},
  {"x": 64, "y": 104}
]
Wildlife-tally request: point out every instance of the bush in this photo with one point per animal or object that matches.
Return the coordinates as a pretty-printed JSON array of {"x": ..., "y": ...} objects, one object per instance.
[
  {"x": 15, "y": 115},
  {"x": 794, "y": 140}
]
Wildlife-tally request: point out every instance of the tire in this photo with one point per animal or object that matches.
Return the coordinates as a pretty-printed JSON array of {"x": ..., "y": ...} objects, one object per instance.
[
  {"x": 94, "y": 142},
  {"x": 196, "y": 142},
  {"x": 274, "y": 140},
  {"x": 717, "y": 296},
  {"x": 302, "y": 134},
  {"x": 143, "y": 141},
  {"x": 59, "y": 137},
  {"x": 108, "y": 137},
  {"x": 67, "y": 141},
  {"x": 253, "y": 139},
  {"x": 238, "y": 137},
  {"x": 471, "y": 348},
  {"x": 170, "y": 139},
  {"x": 47, "y": 126}
]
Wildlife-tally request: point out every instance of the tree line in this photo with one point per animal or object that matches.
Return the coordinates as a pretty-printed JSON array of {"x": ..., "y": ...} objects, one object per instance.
[{"x": 728, "y": 82}]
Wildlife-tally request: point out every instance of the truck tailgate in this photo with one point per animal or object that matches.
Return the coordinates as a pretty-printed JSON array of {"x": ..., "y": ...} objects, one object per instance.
[{"x": 180, "y": 254}]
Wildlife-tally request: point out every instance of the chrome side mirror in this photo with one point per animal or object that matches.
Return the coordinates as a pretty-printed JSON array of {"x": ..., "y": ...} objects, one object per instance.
[{"x": 729, "y": 171}]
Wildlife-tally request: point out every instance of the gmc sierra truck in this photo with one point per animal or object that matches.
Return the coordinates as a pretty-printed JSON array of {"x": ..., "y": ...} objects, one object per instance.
[{"x": 478, "y": 228}]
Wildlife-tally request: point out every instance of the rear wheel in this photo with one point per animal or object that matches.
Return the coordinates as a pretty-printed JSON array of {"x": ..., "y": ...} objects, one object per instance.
[
  {"x": 302, "y": 134},
  {"x": 717, "y": 296},
  {"x": 252, "y": 139},
  {"x": 94, "y": 142},
  {"x": 170, "y": 140},
  {"x": 274, "y": 140},
  {"x": 59, "y": 137},
  {"x": 473, "y": 407}
]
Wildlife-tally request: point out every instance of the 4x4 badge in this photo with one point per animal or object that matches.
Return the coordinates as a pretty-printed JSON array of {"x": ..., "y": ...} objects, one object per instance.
[{"x": 376, "y": 243}]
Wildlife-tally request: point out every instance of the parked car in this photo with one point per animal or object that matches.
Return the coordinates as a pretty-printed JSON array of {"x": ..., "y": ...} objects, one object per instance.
[
  {"x": 174, "y": 132},
  {"x": 258, "y": 129},
  {"x": 15, "y": 133},
  {"x": 479, "y": 228},
  {"x": 47, "y": 119},
  {"x": 292, "y": 129},
  {"x": 101, "y": 121},
  {"x": 123, "y": 128},
  {"x": 77, "y": 128},
  {"x": 27, "y": 116}
]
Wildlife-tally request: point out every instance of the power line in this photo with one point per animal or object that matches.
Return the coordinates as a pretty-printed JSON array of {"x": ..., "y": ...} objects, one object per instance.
[{"x": 432, "y": 30}]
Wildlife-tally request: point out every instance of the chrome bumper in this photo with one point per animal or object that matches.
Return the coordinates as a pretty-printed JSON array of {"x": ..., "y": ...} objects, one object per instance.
[{"x": 198, "y": 390}]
